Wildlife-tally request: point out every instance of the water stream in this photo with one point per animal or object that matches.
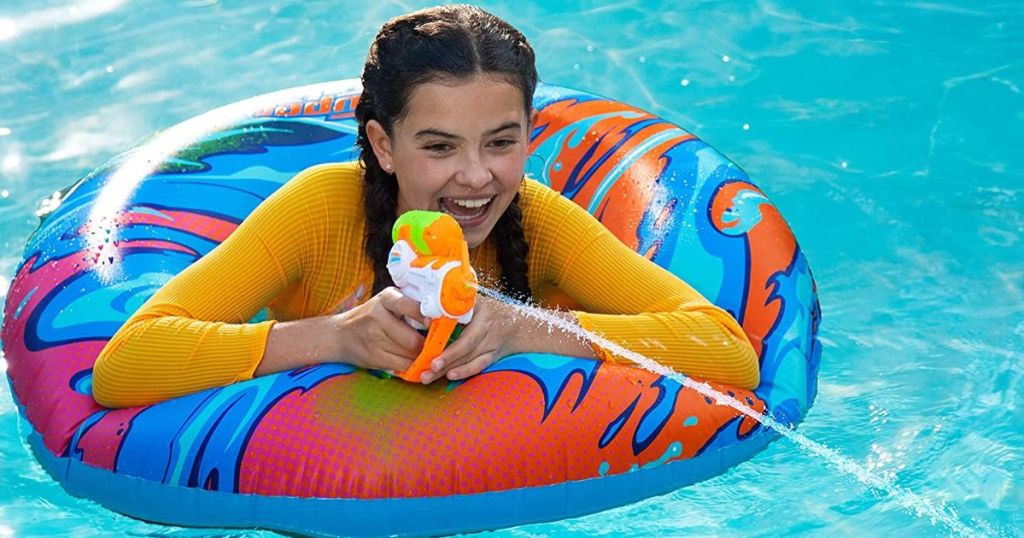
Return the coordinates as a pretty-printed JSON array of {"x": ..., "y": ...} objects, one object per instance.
[{"x": 915, "y": 504}]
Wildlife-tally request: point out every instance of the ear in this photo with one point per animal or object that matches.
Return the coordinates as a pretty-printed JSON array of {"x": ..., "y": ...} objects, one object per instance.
[{"x": 381, "y": 143}]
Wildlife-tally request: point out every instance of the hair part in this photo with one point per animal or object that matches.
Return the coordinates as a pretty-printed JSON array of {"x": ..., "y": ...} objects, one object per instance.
[{"x": 445, "y": 43}]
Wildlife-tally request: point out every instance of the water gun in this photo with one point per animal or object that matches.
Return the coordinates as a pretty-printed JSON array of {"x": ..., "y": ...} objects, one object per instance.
[{"x": 430, "y": 264}]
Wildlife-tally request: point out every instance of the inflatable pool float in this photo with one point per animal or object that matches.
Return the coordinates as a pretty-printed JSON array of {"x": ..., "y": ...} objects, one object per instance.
[{"x": 332, "y": 449}]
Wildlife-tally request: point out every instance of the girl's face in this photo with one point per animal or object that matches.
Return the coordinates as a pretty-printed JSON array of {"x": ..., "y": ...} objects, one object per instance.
[{"x": 461, "y": 149}]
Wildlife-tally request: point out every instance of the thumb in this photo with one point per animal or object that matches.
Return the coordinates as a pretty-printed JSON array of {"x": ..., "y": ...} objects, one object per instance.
[{"x": 402, "y": 306}]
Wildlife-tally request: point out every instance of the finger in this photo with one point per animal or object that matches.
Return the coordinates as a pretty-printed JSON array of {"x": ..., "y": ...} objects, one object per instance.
[
  {"x": 393, "y": 362},
  {"x": 398, "y": 333},
  {"x": 472, "y": 367},
  {"x": 380, "y": 354},
  {"x": 460, "y": 352},
  {"x": 390, "y": 346},
  {"x": 400, "y": 305},
  {"x": 473, "y": 341}
]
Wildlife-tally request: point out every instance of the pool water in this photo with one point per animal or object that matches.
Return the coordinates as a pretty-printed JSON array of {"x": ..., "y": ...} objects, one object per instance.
[{"x": 889, "y": 134}]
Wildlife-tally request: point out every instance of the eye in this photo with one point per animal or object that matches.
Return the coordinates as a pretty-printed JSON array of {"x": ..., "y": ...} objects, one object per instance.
[
  {"x": 439, "y": 148},
  {"x": 502, "y": 143}
]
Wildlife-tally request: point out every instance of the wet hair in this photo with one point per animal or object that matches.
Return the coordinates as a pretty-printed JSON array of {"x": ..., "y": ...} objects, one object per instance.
[{"x": 445, "y": 43}]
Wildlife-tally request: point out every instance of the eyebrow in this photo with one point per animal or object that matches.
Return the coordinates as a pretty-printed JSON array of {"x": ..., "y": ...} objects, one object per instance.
[{"x": 437, "y": 132}]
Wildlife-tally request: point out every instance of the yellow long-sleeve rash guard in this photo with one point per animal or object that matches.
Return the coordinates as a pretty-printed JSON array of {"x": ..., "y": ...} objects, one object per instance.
[{"x": 300, "y": 253}]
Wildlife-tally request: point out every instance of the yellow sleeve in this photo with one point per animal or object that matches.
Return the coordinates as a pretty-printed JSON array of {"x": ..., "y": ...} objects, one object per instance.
[
  {"x": 632, "y": 301},
  {"x": 192, "y": 333}
]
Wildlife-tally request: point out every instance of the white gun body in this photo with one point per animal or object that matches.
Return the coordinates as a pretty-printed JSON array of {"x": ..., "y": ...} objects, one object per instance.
[{"x": 422, "y": 284}]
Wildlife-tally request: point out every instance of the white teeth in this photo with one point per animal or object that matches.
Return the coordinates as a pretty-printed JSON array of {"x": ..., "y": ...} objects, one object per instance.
[{"x": 471, "y": 204}]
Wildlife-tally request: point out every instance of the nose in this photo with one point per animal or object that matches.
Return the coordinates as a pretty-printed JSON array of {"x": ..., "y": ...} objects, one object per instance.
[{"x": 474, "y": 172}]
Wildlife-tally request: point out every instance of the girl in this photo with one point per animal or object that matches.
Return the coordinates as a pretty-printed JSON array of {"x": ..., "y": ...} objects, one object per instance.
[{"x": 444, "y": 122}]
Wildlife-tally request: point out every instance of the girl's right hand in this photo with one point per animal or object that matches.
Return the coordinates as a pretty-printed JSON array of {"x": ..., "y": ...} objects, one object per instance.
[{"x": 374, "y": 335}]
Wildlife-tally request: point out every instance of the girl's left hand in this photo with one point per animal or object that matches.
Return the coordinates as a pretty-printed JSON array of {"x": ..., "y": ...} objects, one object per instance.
[{"x": 489, "y": 336}]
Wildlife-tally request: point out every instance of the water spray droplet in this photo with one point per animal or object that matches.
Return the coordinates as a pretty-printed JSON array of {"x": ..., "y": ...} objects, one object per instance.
[{"x": 878, "y": 482}]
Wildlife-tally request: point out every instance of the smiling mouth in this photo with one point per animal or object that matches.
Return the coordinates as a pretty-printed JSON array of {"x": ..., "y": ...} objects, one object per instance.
[{"x": 466, "y": 211}]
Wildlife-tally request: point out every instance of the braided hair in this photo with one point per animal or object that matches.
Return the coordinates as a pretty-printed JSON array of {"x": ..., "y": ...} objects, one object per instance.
[{"x": 450, "y": 42}]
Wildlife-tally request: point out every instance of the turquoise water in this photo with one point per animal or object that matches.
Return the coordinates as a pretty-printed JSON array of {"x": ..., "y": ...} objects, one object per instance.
[{"x": 889, "y": 135}]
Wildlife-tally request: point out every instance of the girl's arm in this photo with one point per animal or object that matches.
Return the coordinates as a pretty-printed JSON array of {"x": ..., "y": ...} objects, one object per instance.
[
  {"x": 630, "y": 300},
  {"x": 193, "y": 334}
]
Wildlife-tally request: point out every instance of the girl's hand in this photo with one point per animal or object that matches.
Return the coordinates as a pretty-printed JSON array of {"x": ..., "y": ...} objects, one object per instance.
[
  {"x": 489, "y": 336},
  {"x": 375, "y": 335}
]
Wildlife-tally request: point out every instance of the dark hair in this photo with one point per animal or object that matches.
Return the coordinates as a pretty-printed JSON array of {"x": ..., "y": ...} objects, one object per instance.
[{"x": 446, "y": 42}]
